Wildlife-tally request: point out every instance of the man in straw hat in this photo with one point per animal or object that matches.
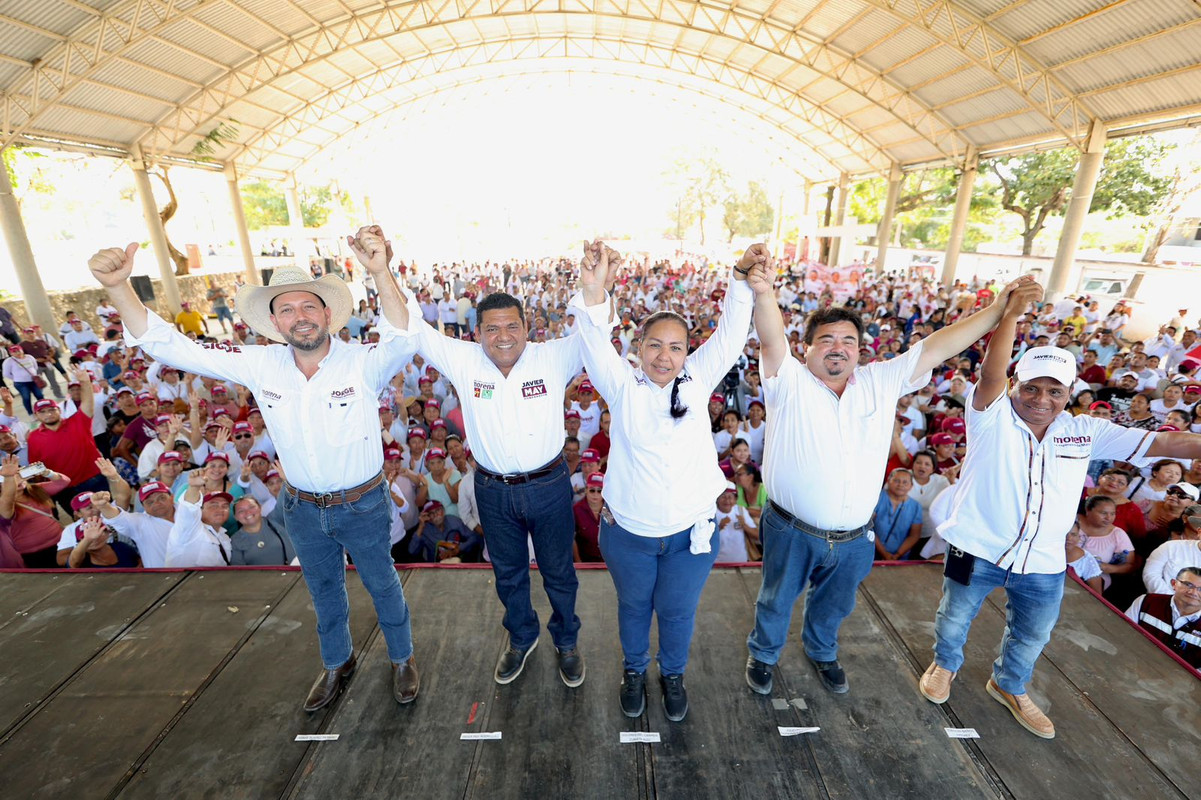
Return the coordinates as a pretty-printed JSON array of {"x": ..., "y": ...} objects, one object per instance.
[{"x": 318, "y": 398}]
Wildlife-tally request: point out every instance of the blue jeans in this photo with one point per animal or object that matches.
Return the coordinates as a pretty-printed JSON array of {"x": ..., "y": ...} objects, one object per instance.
[
  {"x": 541, "y": 510},
  {"x": 321, "y": 536},
  {"x": 223, "y": 313},
  {"x": 658, "y": 576},
  {"x": 792, "y": 559},
  {"x": 28, "y": 390},
  {"x": 1031, "y": 611}
]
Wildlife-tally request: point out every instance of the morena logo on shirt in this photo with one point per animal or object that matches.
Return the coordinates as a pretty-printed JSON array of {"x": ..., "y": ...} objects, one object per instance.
[
  {"x": 533, "y": 388},
  {"x": 484, "y": 390},
  {"x": 1073, "y": 440}
]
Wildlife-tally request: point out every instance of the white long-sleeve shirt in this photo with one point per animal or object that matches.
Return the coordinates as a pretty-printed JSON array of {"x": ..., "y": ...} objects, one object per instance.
[
  {"x": 514, "y": 422},
  {"x": 310, "y": 420},
  {"x": 663, "y": 475},
  {"x": 192, "y": 543},
  {"x": 1166, "y": 561},
  {"x": 149, "y": 533}
]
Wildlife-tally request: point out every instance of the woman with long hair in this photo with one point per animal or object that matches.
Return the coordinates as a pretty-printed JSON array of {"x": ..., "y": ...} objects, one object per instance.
[
  {"x": 1108, "y": 543},
  {"x": 28, "y": 508},
  {"x": 660, "y": 545},
  {"x": 1114, "y": 483}
]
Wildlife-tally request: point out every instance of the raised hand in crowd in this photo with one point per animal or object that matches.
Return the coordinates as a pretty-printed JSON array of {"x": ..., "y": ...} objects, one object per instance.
[
  {"x": 9, "y": 467},
  {"x": 101, "y": 501},
  {"x": 371, "y": 248},
  {"x": 757, "y": 255},
  {"x": 107, "y": 469}
]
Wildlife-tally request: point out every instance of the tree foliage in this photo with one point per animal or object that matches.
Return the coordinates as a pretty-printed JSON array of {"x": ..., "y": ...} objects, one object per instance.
[
  {"x": 749, "y": 213},
  {"x": 1038, "y": 185},
  {"x": 700, "y": 183}
]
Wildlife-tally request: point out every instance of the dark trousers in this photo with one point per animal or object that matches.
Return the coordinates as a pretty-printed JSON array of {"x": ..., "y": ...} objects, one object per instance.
[{"x": 539, "y": 509}]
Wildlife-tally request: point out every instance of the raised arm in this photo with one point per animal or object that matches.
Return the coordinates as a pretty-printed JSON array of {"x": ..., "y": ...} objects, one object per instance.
[
  {"x": 112, "y": 268},
  {"x": 720, "y": 351},
  {"x": 993, "y": 377},
  {"x": 769, "y": 323},
  {"x": 87, "y": 397},
  {"x": 374, "y": 252},
  {"x": 954, "y": 339}
]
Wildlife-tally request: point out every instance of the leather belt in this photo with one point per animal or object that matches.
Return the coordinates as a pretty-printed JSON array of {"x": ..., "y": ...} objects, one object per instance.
[
  {"x": 829, "y": 536},
  {"x": 327, "y": 499},
  {"x": 516, "y": 478}
]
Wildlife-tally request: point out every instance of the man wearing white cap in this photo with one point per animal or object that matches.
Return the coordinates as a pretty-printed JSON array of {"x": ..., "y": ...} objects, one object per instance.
[
  {"x": 1015, "y": 501},
  {"x": 317, "y": 396}
]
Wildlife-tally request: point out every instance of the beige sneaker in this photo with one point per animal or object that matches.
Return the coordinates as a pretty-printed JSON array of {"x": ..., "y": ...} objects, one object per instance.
[
  {"x": 1028, "y": 715},
  {"x": 935, "y": 684}
]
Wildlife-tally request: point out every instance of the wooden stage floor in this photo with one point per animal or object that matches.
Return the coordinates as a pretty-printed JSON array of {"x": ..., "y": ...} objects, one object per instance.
[{"x": 180, "y": 685}]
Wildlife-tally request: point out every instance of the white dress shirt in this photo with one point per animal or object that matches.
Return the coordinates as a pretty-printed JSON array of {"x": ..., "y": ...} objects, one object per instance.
[
  {"x": 150, "y": 534},
  {"x": 663, "y": 476},
  {"x": 1016, "y": 497},
  {"x": 310, "y": 420},
  {"x": 823, "y": 452},
  {"x": 192, "y": 543},
  {"x": 514, "y": 423},
  {"x": 1166, "y": 561}
]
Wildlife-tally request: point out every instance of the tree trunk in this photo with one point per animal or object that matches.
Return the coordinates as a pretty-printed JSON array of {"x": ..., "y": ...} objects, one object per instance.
[
  {"x": 1028, "y": 241},
  {"x": 1156, "y": 241},
  {"x": 165, "y": 214}
]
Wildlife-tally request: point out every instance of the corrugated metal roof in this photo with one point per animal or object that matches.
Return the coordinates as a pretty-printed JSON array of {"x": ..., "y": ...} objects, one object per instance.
[{"x": 244, "y": 59}]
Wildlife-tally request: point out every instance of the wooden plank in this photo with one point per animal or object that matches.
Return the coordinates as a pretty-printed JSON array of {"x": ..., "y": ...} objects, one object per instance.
[
  {"x": 75, "y": 617},
  {"x": 1087, "y": 751},
  {"x": 876, "y": 740},
  {"x": 1142, "y": 691},
  {"x": 21, "y": 590},
  {"x": 729, "y": 746},
  {"x": 558, "y": 740},
  {"x": 385, "y": 749},
  {"x": 112, "y": 710},
  {"x": 252, "y": 709}
]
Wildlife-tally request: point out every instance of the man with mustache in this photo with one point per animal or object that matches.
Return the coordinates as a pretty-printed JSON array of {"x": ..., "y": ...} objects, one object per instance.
[{"x": 318, "y": 398}]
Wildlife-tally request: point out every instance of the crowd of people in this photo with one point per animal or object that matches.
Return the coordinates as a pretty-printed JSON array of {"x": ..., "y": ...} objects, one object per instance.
[{"x": 561, "y": 411}]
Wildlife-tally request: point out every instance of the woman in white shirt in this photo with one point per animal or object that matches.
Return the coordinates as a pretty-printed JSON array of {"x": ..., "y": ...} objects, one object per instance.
[{"x": 661, "y": 544}]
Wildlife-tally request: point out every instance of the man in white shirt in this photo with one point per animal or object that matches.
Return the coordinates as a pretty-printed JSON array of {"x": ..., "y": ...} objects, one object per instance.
[
  {"x": 830, "y": 424},
  {"x": 318, "y": 397},
  {"x": 197, "y": 537},
  {"x": 1017, "y": 493},
  {"x": 512, "y": 393},
  {"x": 150, "y": 529},
  {"x": 1173, "y": 618}
]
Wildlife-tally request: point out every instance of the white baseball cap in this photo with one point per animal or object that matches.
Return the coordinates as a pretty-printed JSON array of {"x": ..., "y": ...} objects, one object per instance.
[{"x": 1047, "y": 362}]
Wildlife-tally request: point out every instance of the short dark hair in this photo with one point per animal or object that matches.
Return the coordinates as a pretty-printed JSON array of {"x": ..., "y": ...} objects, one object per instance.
[
  {"x": 1096, "y": 500},
  {"x": 271, "y": 305},
  {"x": 829, "y": 316},
  {"x": 496, "y": 302}
]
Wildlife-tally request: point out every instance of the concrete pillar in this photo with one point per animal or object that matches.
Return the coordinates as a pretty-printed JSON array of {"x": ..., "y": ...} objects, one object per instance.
[
  {"x": 37, "y": 304},
  {"x": 235, "y": 199},
  {"x": 1087, "y": 172},
  {"x": 777, "y": 242},
  {"x": 840, "y": 218},
  {"x": 895, "y": 178},
  {"x": 963, "y": 204},
  {"x": 292, "y": 197},
  {"x": 158, "y": 236}
]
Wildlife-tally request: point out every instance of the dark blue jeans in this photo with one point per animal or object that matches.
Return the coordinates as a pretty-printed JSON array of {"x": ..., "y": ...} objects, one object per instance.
[
  {"x": 792, "y": 559},
  {"x": 660, "y": 577},
  {"x": 1031, "y": 611},
  {"x": 321, "y": 537},
  {"x": 28, "y": 390},
  {"x": 541, "y": 510}
]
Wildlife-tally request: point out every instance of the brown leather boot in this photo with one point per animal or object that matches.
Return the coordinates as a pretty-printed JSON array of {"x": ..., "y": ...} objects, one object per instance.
[
  {"x": 405, "y": 681},
  {"x": 329, "y": 683}
]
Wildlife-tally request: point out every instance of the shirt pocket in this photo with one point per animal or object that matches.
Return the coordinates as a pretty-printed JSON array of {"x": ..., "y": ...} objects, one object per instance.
[
  {"x": 345, "y": 420},
  {"x": 280, "y": 416}
]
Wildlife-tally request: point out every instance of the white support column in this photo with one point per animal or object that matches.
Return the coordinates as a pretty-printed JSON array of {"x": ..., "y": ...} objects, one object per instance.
[
  {"x": 840, "y": 215},
  {"x": 805, "y": 224},
  {"x": 158, "y": 236},
  {"x": 1087, "y": 172},
  {"x": 963, "y": 204},
  {"x": 895, "y": 178},
  {"x": 37, "y": 303},
  {"x": 777, "y": 244},
  {"x": 292, "y": 197},
  {"x": 235, "y": 199}
]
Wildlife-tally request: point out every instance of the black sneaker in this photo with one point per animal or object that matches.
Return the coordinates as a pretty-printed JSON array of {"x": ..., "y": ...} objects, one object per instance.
[
  {"x": 758, "y": 675},
  {"x": 675, "y": 697},
  {"x": 571, "y": 667},
  {"x": 832, "y": 675},
  {"x": 512, "y": 662},
  {"x": 633, "y": 693}
]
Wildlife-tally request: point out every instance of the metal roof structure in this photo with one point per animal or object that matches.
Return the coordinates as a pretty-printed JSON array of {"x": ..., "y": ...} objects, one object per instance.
[{"x": 845, "y": 86}]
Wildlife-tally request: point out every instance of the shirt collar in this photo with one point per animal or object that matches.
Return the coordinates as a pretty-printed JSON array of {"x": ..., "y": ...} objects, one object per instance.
[{"x": 1177, "y": 613}]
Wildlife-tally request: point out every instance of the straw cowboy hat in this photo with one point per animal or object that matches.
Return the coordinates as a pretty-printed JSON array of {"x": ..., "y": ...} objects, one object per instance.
[{"x": 254, "y": 302}]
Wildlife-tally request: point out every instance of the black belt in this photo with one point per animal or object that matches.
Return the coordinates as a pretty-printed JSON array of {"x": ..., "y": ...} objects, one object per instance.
[
  {"x": 326, "y": 499},
  {"x": 515, "y": 478},
  {"x": 829, "y": 536}
]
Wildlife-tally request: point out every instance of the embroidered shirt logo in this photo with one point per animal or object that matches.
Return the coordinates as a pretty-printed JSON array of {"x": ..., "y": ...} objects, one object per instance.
[
  {"x": 1073, "y": 440},
  {"x": 342, "y": 395},
  {"x": 483, "y": 390},
  {"x": 271, "y": 395},
  {"x": 533, "y": 388}
]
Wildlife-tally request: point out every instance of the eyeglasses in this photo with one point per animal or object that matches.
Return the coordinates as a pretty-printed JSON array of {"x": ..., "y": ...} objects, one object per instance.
[{"x": 1188, "y": 586}]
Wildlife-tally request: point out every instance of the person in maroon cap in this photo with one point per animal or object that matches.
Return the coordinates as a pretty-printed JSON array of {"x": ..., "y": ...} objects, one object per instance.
[
  {"x": 441, "y": 538},
  {"x": 754, "y": 428},
  {"x": 589, "y": 411},
  {"x": 66, "y": 446},
  {"x": 415, "y": 462},
  {"x": 587, "y": 512},
  {"x": 442, "y": 481},
  {"x": 572, "y": 424},
  {"x": 589, "y": 466},
  {"x": 22, "y": 370},
  {"x": 438, "y": 433},
  {"x": 27, "y": 509},
  {"x": 140, "y": 432},
  {"x": 43, "y": 354},
  {"x": 198, "y": 537},
  {"x": 431, "y": 412},
  {"x": 943, "y": 445}
]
